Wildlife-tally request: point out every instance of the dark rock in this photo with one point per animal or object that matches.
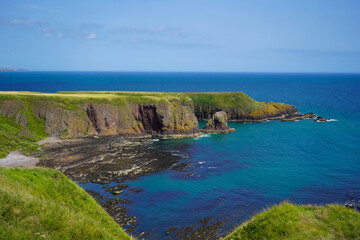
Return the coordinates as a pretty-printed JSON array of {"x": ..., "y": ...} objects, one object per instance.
[
  {"x": 135, "y": 190},
  {"x": 118, "y": 201},
  {"x": 170, "y": 230},
  {"x": 182, "y": 233},
  {"x": 206, "y": 232},
  {"x": 218, "y": 124},
  {"x": 181, "y": 167},
  {"x": 118, "y": 189},
  {"x": 95, "y": 195},
  {"x": 205, "y": 220},
  {"x": 106, "y": 159},
  {"x": 119, "y": 214},
  {"x": 298, "y": 117},
  {"x": 321, "y": 119},
  {"x": 143, "y": 235}
]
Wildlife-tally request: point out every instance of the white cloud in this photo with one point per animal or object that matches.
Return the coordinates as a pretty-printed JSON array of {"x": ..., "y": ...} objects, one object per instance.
[
  {"x": 91, "y": 36},
  {"x": 20, "y": 22}
]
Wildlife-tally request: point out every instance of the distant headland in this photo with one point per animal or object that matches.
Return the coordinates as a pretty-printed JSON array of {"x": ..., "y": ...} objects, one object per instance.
[{"x": 13, "y": 70}]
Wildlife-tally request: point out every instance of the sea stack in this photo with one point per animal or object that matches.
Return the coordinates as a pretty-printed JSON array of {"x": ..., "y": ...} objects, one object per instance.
[
  {"x": 321, "y": 119},
  {"x": 218, "y": 124}
]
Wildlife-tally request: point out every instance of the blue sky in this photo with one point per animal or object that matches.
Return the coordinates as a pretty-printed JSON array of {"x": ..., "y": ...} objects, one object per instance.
[{"x": 197, "y": 35}]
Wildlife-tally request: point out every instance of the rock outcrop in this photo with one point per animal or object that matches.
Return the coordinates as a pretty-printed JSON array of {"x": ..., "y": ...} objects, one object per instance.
[
  {"x": 218, "y": 124},
  {"x": 14, "y": 108},
  {"x": 321, "y": 119},
  {"x": 298, "y": 117}
]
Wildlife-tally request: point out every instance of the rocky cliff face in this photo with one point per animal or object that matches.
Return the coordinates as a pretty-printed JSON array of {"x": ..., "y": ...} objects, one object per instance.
[{"x": 104, "y": 119}]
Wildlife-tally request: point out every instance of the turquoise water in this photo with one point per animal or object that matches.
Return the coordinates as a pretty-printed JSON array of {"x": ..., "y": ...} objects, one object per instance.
[{"x": 236, "y": 175}]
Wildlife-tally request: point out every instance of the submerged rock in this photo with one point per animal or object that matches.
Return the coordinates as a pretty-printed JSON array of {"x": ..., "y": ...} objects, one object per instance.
[{"x": 218, "y": 124}]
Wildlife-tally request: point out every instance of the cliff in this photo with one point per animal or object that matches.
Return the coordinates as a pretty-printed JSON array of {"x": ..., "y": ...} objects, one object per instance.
[
  {"x": 26, "y": 117},
  {"x": 239, "y": 107},
  {"x": 78, "y": 115}
]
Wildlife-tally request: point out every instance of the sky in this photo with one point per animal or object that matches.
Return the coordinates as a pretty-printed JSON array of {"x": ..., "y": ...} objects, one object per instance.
[{"x": 181, "y": 35}]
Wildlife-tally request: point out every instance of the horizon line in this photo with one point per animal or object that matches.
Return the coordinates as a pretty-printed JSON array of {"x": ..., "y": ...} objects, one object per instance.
[{"x": 215, "y": 72}]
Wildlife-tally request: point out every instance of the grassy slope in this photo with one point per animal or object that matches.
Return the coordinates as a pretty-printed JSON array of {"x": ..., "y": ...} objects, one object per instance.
[
  {"x": 44, "y": 204},
  {"x": 301, "y": 222}
]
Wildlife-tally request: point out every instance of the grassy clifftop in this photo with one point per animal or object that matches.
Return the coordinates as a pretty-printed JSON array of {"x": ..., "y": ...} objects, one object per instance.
[
  {"x": 44, "y": 204},
  {"x": 238, "y": 105},
  {"x": 301, "y": 222}
]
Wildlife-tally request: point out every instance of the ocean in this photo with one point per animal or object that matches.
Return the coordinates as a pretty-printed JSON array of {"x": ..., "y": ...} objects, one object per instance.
[{"x": 231, "y": 177}]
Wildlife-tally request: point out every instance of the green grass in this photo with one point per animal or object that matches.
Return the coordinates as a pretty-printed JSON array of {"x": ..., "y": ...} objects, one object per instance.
[
  {"x": 301, "y": 222},
  {"x": 225, "y": 99},
  {"x": 9, "y": 130},
  {"x": 9, "y": 139},
  {"x": 44, "y": 204}
]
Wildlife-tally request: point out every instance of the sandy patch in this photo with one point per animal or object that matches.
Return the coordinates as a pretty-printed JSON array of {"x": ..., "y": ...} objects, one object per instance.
[
  {"x": 17, "y": 159},
  {"x": 50, "y": 140}
]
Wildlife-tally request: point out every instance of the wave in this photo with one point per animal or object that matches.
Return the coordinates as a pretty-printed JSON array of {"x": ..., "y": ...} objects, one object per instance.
[
  {"x": 330, "y": 120},
  {"x": 201, "y": 136}
]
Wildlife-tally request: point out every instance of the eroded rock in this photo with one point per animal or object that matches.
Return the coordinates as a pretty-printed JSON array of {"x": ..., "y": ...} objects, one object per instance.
[
  {"x": 298, "y": 117},
  {"x": 218, "y": 124}
]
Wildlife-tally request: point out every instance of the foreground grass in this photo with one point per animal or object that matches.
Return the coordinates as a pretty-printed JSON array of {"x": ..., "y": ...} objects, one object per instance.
[
  {"x": 44, "y": 204},
  {"x": 289, "y": 221}
]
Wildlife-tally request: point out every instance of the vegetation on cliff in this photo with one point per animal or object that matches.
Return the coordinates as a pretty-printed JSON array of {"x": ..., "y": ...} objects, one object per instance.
[
  {"x": 19, "y": 127},
  {"x": 238, "y": 106},
  {"x": 290, "y": 221},
  {"x": 45, "y": 204}
]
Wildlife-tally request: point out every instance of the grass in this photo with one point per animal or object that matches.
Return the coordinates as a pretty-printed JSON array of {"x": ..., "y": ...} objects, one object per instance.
[
  {"x": 45, "y": 204},
  {"x": 9, "y": 130},
  {"x": 225, "y": 99},
  {"x": 301, "y": 222}
]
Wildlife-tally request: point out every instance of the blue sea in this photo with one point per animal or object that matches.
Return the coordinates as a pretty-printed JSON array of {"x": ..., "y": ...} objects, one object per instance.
[{"x": 237, "y": 175}]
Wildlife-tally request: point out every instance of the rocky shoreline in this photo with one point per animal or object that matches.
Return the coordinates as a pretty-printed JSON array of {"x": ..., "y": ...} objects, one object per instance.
[{"x": 110, "y": 161}]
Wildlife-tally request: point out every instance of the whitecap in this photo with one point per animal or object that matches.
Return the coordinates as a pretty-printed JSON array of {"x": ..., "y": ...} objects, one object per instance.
[
  {"x": 329, "y": 120},
  {"x": 201, "y": 136}
]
